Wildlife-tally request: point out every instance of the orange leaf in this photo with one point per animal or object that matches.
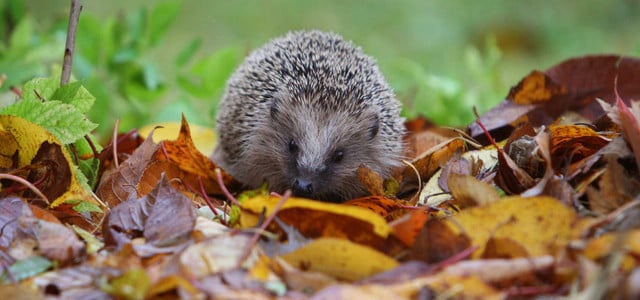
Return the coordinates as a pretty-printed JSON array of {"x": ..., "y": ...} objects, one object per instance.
[
  {"x": 319, "y": 219},
  {"x": 536, "y": 88},
  {"x": 378, "y": 204},
  {"x": 407, "y": 227}
]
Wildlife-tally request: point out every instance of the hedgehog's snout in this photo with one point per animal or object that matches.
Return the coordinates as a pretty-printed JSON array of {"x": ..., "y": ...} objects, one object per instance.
[{"x": 302, "y": 187}]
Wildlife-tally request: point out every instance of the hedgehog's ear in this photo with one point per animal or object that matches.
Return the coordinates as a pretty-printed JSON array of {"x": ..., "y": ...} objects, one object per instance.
[{"x": 374, "y": 126}]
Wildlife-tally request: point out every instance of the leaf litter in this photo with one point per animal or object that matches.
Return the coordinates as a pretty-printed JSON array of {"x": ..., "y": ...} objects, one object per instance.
[{"x": 542, "y": 202}]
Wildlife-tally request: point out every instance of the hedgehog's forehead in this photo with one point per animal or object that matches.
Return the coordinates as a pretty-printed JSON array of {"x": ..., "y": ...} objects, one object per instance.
[
  {"x": 315, "y": 127},
  {"x": 320, "y": 113}
]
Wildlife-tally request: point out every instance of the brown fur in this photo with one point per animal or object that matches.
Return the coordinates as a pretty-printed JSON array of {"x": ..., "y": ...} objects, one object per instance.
[{"x": 326, "y": 96}]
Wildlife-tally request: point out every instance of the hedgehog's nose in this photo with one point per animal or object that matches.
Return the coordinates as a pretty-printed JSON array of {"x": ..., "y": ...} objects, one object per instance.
[{"x": 302, "y": 187}]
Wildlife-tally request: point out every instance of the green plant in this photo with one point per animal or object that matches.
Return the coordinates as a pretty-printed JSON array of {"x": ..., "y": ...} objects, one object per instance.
[
  {"x": 112, "y": 59},
  {"x": 448, "y": 100}
]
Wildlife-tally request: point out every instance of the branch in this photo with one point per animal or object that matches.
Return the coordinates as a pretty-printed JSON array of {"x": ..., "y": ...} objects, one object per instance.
[{"x": 74, "y": 15}]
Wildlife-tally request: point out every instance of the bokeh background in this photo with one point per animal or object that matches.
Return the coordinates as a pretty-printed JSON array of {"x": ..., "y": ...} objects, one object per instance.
[{"x": 147, "y": 61}]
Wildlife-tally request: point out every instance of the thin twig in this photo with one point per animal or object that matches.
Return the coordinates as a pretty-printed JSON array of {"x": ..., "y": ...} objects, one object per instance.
[
  {"x": 115, "y": 143},
  {"x": 204, "y": 196},
  {"x": 28, "y": 184},
  {"x": 93, "y": 147},
  {"x": 263, "y": 227},
  {"x": 224, "y": 188},
  {"x": 69, "y": 46}
]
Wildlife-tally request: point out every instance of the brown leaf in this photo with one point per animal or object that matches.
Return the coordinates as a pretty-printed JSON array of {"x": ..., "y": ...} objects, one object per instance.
[
  {"x": 51, "y": 170},
  {"x": 118, "y": 185},
  {"x": 55, "y": 241},
  {"x": 503, "y": 247},
  {"x": 628, "y": 120},
  {"x": 469, "y": 191},
  {"x": 437, "y": 242},
  {"x": 429, "y": 162},
  {"x": 583, "y": 78},
  {"x": 420, "y": 141},
  {"x": 190, "y": 165},
  {"x": 572, "y": 143},
  {"x": 615, "y": 188},
  {"x": 371, "y": 180},
  {"x": 25, "y": 235},
  {"x": 147, "y": 217},
  {"x": 455, "y": 165},
  {"x": 510, "y": 177},
  {"x": 177, "y": 159},
  {"x": 11, "y": 208}
]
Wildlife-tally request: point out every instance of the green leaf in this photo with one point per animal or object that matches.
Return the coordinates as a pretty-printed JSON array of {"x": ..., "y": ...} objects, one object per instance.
[
  {"x": 64, "y": 121},
  {"x": 96, "y": 41},
  {"x": 87, "y": 166},
  {"x": 136, "y": 25},
  {"x": 40, "y": 89},
  {"x": 23, "y": 33},
  {"x": 12, "y": 11},
  {"x": 150, "y": 76},
  {"x": 209, "y": 75},
  {"x": 28, "y": 267},
  {"x": 93, "y": 243},
  {"x": 84, "y": 206},
  {"x": 187, "y": 52},
  {"x": 161, "y": 18},
  {"x": 88, "y": 172},
  {"x": 131, "y": 285},
  {"x": 75, "y": 94}
]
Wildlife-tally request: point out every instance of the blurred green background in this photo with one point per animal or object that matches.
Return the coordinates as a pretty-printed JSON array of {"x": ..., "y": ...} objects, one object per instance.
[{"x": 147, "y": 61}]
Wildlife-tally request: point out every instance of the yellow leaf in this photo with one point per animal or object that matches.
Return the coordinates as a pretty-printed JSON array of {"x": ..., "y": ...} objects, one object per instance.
[
  {"x": 340, "y": 258},
  {"x": 603, "y": 246},
  {"x": 28, "y": 139},
  {"x": 170, "y": 283},
  {"x": 540, "y": 225},
  {"x": 319, "y": 219},
  {"x": 203, "y": 137}
]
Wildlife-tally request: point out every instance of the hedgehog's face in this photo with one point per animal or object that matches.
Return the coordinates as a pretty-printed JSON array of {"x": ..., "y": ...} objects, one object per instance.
[{"x": 323, "y": 151}]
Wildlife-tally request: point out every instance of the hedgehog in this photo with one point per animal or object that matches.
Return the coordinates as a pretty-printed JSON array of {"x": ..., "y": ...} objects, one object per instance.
[{"x": 304, "y": 112}]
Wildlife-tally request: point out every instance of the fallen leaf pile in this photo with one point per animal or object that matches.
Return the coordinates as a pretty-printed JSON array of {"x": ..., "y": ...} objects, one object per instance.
[{"x": 537, "y": 198}]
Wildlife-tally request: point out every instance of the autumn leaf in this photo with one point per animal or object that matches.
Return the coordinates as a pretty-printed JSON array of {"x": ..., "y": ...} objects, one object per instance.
[
  {"x": 541, "y": 225},
  {"x": 43, "y": 158},
  {"x": 340, "y": 258}
]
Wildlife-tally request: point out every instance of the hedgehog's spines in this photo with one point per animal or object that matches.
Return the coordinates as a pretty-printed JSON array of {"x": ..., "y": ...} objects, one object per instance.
[{"x": 321, "y": 91}]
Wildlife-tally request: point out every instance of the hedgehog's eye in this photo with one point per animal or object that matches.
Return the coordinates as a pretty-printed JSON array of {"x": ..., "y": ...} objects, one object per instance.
[
  {"x": 293, "y": 147},
  {"x": 337, "y": 156}
]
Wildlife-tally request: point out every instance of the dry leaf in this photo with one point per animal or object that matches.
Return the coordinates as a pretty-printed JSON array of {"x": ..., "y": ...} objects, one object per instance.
[
  {"x": 541, "y": 225},
  {"x": 147, "y": 217},
  {"x": 469, "y": 191},
  {"x": 45, "y": 158},
  {"x": 318, "y": 219},
  {"x": 583, "y": 78},
  {"x": 340, "y": 258},
  {"x": 437, "y": 242}
]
